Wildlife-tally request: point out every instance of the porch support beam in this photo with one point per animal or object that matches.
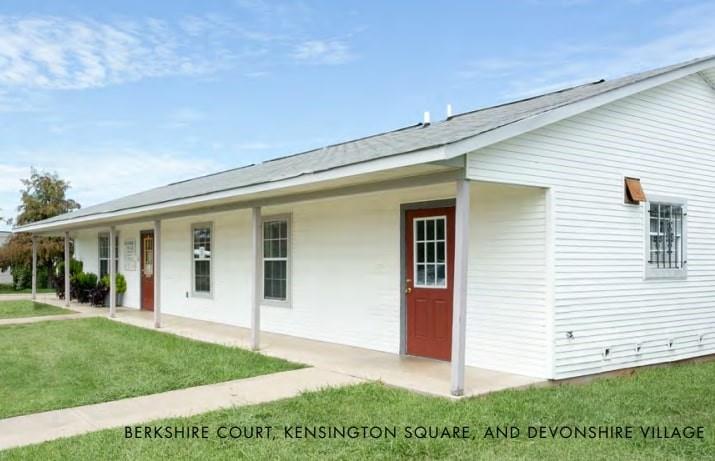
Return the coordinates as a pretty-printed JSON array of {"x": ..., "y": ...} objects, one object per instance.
[
  {"x": 256, "y": 272},
  {"x": 461, "y": 262},
  {"x": 34, "y": 267},
  {"x": 157, "y": 274},
  {"x": 67, "y": 269},
  {"x": 112, "y": 274}
]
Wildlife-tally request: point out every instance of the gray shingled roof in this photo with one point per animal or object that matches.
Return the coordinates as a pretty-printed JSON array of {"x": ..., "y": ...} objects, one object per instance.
[{"x": 402, "y": 141}]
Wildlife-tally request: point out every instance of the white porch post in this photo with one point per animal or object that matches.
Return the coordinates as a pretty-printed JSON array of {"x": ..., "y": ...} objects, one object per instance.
[
  {"x": 157, "y": 274},
  {"x": 256, "y": 249},
  {"x": 34, "y": 267},
  {"x": 67, "y": 269},
  {"x": 112, "y": 274},
  {"x": 461, "y": 260}
]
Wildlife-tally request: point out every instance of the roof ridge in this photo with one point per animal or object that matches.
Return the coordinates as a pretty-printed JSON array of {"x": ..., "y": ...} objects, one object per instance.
[
  {"x": 529, "y": 98},
  {"x": 343, "y": 142},
  {"x": 210, "y": 174}
]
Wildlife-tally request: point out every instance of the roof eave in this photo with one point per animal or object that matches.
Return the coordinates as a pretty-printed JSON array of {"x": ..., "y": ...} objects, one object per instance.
[{"x": 433, "y": 154}]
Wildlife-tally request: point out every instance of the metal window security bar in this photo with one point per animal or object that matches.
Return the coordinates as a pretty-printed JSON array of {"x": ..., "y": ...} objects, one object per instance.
[{"x": 666, "y": 236}]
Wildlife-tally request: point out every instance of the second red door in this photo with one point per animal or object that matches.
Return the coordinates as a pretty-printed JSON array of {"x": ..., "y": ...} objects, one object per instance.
[{"x": 147, "y": 270}]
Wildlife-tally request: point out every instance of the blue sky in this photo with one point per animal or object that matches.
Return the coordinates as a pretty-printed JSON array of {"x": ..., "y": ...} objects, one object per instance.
[{"x": 118, "y": 97}]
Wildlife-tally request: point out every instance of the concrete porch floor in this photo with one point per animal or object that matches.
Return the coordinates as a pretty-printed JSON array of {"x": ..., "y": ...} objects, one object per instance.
[{"x": 413, "y": 373}]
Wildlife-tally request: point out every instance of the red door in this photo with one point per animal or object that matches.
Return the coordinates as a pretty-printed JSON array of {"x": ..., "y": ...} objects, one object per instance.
[
  {"x": 147, "y": 269},
  {"x": 429, "y": 244}
]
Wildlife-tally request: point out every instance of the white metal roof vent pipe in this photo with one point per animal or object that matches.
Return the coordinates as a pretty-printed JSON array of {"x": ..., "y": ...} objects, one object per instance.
[
  {"x": 425, "y": 120},
  {"x": 449, "y": 111}
]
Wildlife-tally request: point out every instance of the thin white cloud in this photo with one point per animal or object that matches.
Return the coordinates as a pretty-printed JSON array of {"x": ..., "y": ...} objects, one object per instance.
[
  {"x": 323, "y": 52},
  {"x": 685, "y": 34},
  {"x": 52, "y": 52},
  {"x": 48, "y": 52}
]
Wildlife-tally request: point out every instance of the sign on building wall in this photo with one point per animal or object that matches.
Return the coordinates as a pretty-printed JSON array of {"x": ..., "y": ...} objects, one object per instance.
[{"x": 130, "y": 255}]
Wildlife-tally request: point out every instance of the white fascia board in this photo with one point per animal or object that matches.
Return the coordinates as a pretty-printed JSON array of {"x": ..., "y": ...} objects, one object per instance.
[
  {"x": 372, "y": 166},
  {"x": 555, "y": 115}
]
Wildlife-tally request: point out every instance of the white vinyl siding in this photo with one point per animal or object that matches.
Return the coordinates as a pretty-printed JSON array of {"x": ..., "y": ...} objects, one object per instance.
[
  {"x": 666, "y": 137},
  {"x": 506, "y": 301}
]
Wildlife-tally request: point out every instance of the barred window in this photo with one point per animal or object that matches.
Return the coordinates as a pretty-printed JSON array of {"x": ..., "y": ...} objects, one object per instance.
[
  {"x": 667, "y": 252},
  {"x": 201, "y": 258}
]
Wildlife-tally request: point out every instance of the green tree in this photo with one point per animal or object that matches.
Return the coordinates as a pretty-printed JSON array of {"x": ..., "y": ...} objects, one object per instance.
[{"x": 43, "y": 196}]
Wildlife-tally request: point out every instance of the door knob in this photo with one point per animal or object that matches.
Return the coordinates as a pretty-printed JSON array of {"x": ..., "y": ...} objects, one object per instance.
[{"x": 408, "y": 290}]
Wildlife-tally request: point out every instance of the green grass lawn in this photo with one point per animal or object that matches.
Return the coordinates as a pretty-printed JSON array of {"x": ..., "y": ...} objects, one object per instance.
[
  {"x": 25, "y": 308},
  {"x": 50, "y": 365},
  {"x": 9, "y": 289},
  {"x": 674, "y": 396}
]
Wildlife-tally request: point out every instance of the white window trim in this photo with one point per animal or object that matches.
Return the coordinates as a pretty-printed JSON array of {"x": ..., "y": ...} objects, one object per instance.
[
  {"x": 654, "y": 273},
  {"x": 194, "y": 293},
  {"x": 446, "y": 253},
  {"x": 99, "y": 252},
  {"x": 286, "y": 303}
]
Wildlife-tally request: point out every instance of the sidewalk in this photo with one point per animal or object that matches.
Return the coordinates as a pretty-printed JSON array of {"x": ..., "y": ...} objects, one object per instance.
[
  {"x": 48, "y": 318},
  {"x": 50, "y": 425}
]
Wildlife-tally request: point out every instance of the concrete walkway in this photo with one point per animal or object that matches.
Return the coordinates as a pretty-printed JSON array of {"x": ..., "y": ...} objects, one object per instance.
[
  {"x": 413, "y": 373},
  {"x": 50, "y": 425},
  {"x": 48, "y": 318}
]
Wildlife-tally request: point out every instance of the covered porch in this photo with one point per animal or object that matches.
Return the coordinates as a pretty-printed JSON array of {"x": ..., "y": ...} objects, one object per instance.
[
  {"x": 417, "y": 374},
  {"x": 330, "y": 333}
]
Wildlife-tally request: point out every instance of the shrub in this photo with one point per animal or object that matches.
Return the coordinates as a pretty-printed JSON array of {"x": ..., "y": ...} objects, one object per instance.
[
  {"x": 81, "y": 285},
  {"x": 121, "y": 283}
]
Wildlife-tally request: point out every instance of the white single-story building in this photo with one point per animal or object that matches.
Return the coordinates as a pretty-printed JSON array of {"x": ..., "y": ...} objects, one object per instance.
[{"x": 562, "y": 235}]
